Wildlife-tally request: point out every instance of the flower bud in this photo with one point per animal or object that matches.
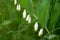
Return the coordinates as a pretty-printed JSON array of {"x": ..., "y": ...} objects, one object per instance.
[
  {"x": 15, "y": 2},
  {"x": 40, "y": 32},
  {"x": 29, "y": 20},
  {"x": 18, "y": 7},
  {"x": 24, "y": 14},
  {"x": 36, "y": 26}
]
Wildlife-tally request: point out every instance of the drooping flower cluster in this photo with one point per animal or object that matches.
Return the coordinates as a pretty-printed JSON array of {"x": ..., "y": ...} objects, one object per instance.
[
  {"x": 18, "y": 6},
  {"x": 28, "y": 18},
  {"x": 40, "y": 33}
]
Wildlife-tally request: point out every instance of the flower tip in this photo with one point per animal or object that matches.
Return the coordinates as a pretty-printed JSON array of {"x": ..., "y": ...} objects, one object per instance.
[
  {"x": 36, "y": 26},
  {"x": 40, "y": 32},
  {"x": 24, "y": 13}
]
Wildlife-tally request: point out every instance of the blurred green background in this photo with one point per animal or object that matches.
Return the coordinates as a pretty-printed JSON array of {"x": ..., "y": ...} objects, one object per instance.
[{"x": 14, "y": 27}]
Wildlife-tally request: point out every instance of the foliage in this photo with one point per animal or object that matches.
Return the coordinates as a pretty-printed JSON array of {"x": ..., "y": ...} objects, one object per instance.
[{"x": 45, "y": 12}]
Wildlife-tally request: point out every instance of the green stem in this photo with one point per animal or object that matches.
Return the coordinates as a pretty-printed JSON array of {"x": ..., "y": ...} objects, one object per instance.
[{"x": 47, "y": 30}]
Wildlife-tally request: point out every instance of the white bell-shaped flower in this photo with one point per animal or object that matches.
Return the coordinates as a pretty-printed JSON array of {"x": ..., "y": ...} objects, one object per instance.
[
  {"x": 15, "y": 2},
  {"x": 24, "y": 14},
  {"x": 36, "y": 26},
  {"x": 18, "y": 8},
  {"x": 29, "y": 20},
  {"x": 40, "y": 32}
]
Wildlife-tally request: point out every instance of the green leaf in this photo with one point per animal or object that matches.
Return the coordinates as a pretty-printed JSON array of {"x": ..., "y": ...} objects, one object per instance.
[
  {"x": 6, "y": 22},
  {"x": 54, "y": 16},
  {"x": 50, "y": 37},
  {"x": 44, "y": 13}
]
